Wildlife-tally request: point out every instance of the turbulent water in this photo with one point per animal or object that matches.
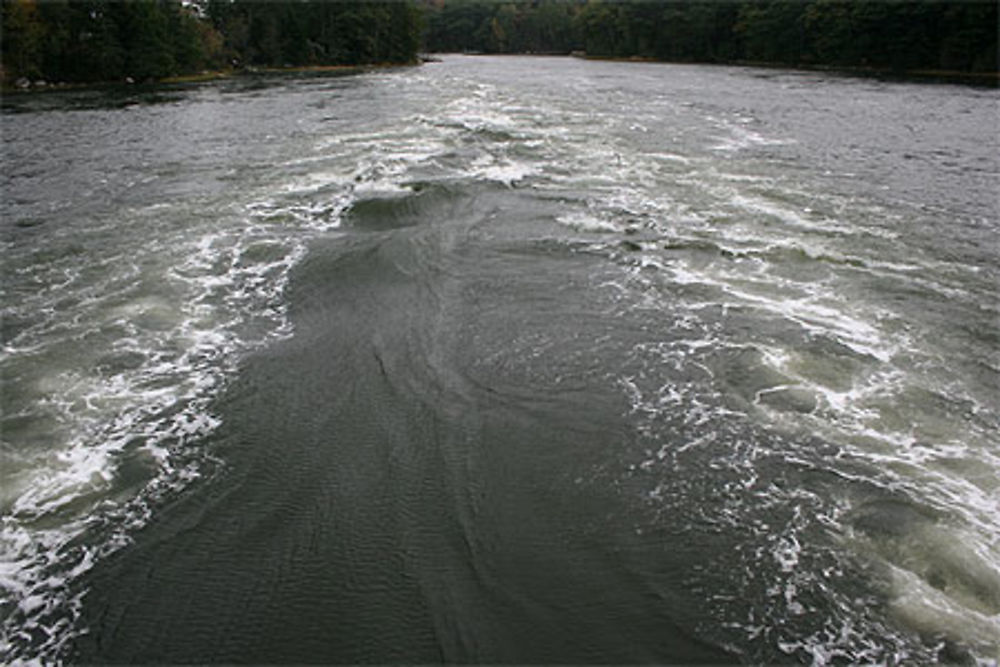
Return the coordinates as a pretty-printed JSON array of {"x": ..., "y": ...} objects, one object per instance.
[{"x": 496, "y": 360}]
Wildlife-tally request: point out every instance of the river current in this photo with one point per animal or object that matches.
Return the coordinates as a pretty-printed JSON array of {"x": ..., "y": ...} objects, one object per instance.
[{"x": 530, "y": 360}]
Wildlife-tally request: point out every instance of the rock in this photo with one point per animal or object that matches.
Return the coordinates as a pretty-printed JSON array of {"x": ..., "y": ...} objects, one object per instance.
[
  {"x": 129, "y": 80},
  {"x": 22, "y": 83},
  {"x": 41, "y": 83}
]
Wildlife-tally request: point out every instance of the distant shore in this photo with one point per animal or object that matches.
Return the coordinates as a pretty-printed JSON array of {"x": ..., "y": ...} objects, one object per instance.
[
  {"x": 989, "y": 79},
  {"x": 929, "y": 75},
  {"x": 301, "y": 69},
  {"x": 201, "y": 77}
]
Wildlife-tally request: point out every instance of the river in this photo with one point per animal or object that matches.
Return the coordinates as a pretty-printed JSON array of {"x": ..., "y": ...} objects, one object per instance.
[{"x": 502, "y": 360}]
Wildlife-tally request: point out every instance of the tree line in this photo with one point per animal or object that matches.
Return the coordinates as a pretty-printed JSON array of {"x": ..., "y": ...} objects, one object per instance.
[
  {"x": 109, "y": 40},
  {"x": 113, "y": 40},
  {"x": 895, "y": 35}
]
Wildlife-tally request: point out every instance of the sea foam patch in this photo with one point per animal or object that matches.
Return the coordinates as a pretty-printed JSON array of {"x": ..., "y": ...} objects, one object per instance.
[{"x": 139, "y": 348}]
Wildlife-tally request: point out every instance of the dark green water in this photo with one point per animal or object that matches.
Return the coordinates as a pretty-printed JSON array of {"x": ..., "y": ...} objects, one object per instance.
[{"x": 502, "y": 360}]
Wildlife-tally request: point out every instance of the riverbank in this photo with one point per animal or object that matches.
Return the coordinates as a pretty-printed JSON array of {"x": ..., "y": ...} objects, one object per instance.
[
  {"x": 303, "y": 69},
  {"x": 21, "y": 86},
  {"x": 988, "y": 79}
]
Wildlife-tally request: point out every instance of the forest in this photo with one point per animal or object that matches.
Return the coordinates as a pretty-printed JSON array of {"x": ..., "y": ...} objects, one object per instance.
[
  {"x": 878, "y": 34},
  {"x": 113, "y": 40}
]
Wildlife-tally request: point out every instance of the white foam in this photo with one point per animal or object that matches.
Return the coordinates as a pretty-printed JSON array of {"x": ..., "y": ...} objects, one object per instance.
[
  {"x": 507, "y": 172},
  {"x": 787, "y": 553},
  {"x": 786, "y": 215},
  {"x": 671, "y": 157},
  {"x": 181, "y": 341},
  {"x": 739, "y": 136},
  {"x": 933, "y": 612},
  {"x": 586, "y": 222}
]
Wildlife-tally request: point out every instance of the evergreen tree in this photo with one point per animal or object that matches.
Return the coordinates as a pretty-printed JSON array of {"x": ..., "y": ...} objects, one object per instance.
[
  {"x": 24, "y": 35},
  {"x": 104, "y": 40},
  {"x": 107, "y": 40}
]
